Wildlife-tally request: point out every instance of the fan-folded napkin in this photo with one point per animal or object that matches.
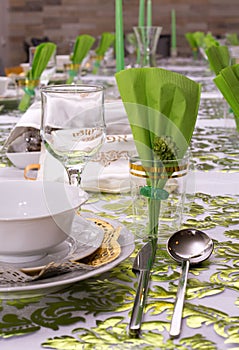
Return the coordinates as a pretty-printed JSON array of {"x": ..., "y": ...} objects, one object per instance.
[
  {"x": 227, "y": 82},
  {"x": 170, "y": 104},
  {"x": 218, "y": 57}
]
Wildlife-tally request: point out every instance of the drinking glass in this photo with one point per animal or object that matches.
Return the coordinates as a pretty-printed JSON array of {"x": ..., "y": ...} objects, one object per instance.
[
  {"x": 171, "y": 176},
  {"x": 73, "y": 125},
  {"x": 147, "y": 40}
]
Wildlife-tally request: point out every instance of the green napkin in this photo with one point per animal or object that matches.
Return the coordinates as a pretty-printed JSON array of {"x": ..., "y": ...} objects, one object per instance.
[
  {"x": 209, "y": 41},
  {"x": 227, "y": 82},
  {"x": 218, "y": 57},
  {"x": 199, "y": 42},
  {"x": 41, "y": 58},
  {"x": 107, "y": 39},
  {"x": 162, "y": 109},
  {"x": 191, "y": 40},
  {"x": 158, "y": 103},
  {"x": 192, "y": 43},
  {"x": 199, "y": 38},
  {"x": 204, "y": 40},
  {"x": 232, "y": 39},
  {"x": 83, "y": 44}
]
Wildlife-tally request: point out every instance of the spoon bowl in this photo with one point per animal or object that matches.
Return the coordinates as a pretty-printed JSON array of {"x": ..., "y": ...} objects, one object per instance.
[{"x": 188, "y": 246}]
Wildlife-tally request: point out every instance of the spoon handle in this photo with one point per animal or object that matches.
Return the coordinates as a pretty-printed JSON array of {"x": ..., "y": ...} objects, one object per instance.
[
  {"x": 137, "y": 312},
  {"x": 178, "y": 307}
]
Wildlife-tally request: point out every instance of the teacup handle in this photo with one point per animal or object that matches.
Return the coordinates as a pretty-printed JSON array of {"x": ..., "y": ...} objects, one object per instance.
[{"x": 28, "y": 168}]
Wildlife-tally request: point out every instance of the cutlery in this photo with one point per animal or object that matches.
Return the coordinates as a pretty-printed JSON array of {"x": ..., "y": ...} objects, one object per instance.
[
  {"x": 142, "y": 266},
  {"x": 189, "y": 246}
]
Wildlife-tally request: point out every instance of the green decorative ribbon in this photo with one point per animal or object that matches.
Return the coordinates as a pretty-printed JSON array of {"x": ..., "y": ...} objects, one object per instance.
[
  {"x": 72, "y": 71},
  {"x": 29, "y": 93},
  {"x": 154, "y": 192}
]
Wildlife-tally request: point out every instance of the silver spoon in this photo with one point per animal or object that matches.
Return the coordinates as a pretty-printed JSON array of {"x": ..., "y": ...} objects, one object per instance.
[{"x": 189, "y": 246}]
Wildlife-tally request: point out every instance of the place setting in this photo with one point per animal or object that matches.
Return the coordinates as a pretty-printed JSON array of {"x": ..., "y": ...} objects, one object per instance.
[
  {"x": 79, "y": 245},
  {"x": 51, "y": 243},
  {"x": 119, "y": 177},
  {"x": 93, "y": 247}
]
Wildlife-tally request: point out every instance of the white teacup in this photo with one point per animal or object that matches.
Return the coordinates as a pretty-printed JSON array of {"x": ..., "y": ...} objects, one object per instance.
[
  {"x": 4, "y": 82},
  {"x": 61, "y": 60}
]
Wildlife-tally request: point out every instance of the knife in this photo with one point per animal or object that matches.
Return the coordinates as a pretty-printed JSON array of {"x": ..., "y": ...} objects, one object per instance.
[{"x": 142, "y": 265}]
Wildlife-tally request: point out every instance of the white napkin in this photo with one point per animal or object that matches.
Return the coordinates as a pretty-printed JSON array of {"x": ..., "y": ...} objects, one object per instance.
[
  {"x": 109, "y": 171},
  {"x": 31, "y": 118},
  {"x": 115, "y": 118}
]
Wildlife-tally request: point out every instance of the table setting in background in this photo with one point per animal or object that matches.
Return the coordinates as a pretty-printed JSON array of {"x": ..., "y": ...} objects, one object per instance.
[{"x": 127, "y": 209}]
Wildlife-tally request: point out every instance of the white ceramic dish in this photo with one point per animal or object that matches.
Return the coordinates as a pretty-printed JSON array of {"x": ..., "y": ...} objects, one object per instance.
[
  {"x": 23, "y": 159},
  {"x": 61, "y": 60},
  {"x": 4, "y": 82},
  {"x": 85, "y": 238},
  {"x": 35, "y": 216},
  {"x": 54, "y": 284}
]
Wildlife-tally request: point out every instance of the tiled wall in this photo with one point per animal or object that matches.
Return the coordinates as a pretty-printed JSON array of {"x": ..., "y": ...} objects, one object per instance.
[{"x": 63, "y": 20}]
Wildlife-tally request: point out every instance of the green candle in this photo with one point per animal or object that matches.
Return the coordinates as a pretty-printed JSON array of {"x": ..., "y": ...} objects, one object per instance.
[
  {"x": 149, "y": 13},
  {"x": 173, "y": 29},
  {"x": 141, "y": 13},
  {"x": 119, "y": 36}
]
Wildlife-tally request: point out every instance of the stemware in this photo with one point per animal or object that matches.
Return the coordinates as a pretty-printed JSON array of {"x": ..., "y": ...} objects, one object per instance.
[
  {"x": 147, "y": 40},
  {"x": 73, "y": 125}
]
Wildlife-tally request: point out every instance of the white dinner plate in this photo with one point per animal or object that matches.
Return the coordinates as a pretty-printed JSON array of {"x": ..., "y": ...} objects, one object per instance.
[{"x": 53, "y": 284}]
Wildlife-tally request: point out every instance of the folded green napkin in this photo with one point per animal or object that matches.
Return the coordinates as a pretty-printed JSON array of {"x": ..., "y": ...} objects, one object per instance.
[
  {"x": 191, "y": 40},
  {"x": 227, "y": 82},
  {"x": 201, "y": 39},
  {"x": 83, "y": 44},
  {"x": 107, "y": 39},
  {"x": 41, "y": 58},
  {"x": 162, "y": 109},
  {"x": 232, "y": 39},
  {"x": 159, "y": 103},
  {"x": 192, "y": 43},
  {"x": 218, "y": 57},
  {"x": 209, "y": 41}
]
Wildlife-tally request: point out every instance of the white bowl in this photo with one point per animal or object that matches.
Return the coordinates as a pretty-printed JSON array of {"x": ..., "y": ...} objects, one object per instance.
[
  {"x": 35, "y": 216},
  {"x": 22, "y": 159}
]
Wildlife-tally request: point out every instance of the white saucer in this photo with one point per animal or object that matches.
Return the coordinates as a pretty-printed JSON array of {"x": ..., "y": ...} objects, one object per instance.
[
  {"x": 53, "y": 284},
  {"x": 57, "y": 254}
]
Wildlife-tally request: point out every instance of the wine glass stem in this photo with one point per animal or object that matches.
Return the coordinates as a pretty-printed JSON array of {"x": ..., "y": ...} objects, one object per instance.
[{"x": 74, "y": 176}]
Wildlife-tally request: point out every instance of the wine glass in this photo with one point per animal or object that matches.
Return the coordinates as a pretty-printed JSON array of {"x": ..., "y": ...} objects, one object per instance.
[{"x": 72, "y": 125}]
